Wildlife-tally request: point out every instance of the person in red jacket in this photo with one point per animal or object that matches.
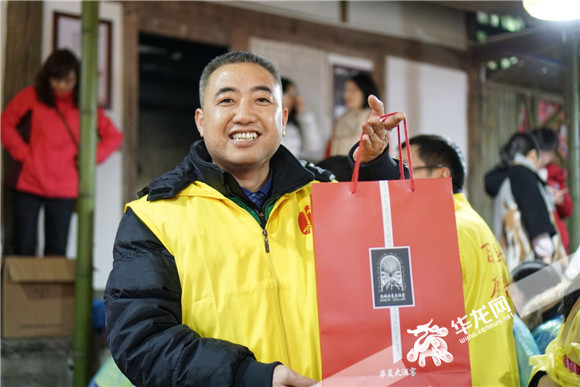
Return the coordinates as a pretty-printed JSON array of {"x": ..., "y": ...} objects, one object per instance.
[
  {"x": 555, "y": 176},
  {"x": 40, "y": 130}
]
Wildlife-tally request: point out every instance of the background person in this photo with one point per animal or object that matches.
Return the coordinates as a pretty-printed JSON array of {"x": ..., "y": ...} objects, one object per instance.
[
  {"x": 347, "y": 131},
  {"x": 301, "y": 136},
  {"x": 555, "y": 176},
  {"x": 523, "y": 206},
  {"x": 485, "y": 276},
  {"x": 213, "y": 280},
  {"x": 40, "y": 130}
]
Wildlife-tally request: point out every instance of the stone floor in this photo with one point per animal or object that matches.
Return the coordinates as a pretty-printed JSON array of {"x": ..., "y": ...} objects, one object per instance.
[
  {"x": 45, "y": 362},
  {"x": 37, "y": 362}
]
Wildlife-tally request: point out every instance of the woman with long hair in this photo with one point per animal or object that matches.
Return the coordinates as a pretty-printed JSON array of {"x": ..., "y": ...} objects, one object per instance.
[
  {"x": 555, "y": 176},
  {"x": 523, "y": 206},
  {"x": 347, "y": 129},
  {"x": 40, "y": 131}
]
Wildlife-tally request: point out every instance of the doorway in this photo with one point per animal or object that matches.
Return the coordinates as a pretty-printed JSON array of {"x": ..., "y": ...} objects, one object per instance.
[{"x": 169, "y": 72}]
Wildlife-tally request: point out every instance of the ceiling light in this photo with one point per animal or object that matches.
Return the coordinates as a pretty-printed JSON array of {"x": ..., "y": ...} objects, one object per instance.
[{"x": 556, "y": 10}]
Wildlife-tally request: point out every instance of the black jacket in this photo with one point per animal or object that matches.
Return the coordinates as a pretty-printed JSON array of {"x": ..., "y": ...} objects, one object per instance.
[{"x": 525, "y": 187}]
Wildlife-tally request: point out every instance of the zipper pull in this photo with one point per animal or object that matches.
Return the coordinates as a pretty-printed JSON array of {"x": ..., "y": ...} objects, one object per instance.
[{"x": 266, "y": 243}]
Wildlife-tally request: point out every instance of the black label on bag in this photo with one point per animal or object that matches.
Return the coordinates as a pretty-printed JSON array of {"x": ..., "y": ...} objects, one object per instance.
[{"x": 391, "y": 277}]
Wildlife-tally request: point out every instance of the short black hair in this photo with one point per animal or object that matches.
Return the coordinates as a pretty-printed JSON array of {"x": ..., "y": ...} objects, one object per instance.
[
  {"x": 571, "y": 297},
  {"x": 437, "y": 150},
  {"x": 366, "y": 84},
  {"x": 231, "y": 58},
  {"x": 547, "y": 139},
  {"x": 292, "y": 114}
]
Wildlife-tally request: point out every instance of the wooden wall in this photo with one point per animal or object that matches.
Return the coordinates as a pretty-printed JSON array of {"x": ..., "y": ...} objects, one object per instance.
[{"x": 23, "y": 45}]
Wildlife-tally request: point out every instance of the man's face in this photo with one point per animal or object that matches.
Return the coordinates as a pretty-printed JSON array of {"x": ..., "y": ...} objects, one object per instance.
[
  {"x": 242, "y": 119},
  {"x": 353, "y": 96}
]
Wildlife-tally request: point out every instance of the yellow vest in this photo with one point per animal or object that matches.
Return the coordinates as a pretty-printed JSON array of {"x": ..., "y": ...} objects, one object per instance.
[
  {"x": 485, "y": 277},
  {"x": 231, "y": 290}
]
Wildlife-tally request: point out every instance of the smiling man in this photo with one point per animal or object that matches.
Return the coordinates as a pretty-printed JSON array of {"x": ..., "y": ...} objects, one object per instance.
[{"x": 213, "y": 282}]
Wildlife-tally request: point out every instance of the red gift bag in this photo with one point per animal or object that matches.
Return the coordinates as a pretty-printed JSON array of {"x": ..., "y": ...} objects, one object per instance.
[{"x": 389, "y": 284}]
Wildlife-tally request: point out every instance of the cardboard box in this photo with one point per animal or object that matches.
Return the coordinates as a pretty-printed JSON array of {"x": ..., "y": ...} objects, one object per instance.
[{"x": 37, "y": 297}]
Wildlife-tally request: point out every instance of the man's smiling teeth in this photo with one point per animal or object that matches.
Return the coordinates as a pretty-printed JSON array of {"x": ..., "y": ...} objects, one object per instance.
[{"x": 245, "y": 136}]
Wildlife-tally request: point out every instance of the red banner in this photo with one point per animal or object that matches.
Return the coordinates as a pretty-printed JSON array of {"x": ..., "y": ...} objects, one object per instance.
[{"x": 389, "y": 284}]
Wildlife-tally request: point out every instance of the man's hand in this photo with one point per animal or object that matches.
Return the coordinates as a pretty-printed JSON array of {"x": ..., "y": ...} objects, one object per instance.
[
  {"x": 376, "y": 133},
  {"x": 285, "y": 377}
]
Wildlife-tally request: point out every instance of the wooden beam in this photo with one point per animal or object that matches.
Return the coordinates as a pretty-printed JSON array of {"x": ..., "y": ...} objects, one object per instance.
[
  {"x": 523, "y": 43},
  {"x": 218, "y": 24}
]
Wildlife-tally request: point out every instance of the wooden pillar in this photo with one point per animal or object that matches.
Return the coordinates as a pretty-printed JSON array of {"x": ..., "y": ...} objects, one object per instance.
[
  {"x": 475, "y": 139},
  {"x": 130, "y": 99},
  {"x": 22, "y": 60},
  {"x": 88, "y": 104},
  {"x": 572, "y": 107}
]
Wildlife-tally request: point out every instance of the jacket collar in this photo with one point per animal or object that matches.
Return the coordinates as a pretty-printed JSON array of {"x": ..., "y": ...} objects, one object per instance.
[
  {"x": 289, "y": 174},
  {"x": 522, "y": 160},
  {"x": 63, "y": 98}
]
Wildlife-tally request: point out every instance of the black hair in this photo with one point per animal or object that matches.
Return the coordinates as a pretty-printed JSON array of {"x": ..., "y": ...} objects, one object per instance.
[
  {"x": 527, "y": 268},
  {"x": 233, "y": 57},
  {"x": 573, "y": 293},
  {"x": 520, "y": 143},
  {"x": 58, "y": 65},
  {"x": 437, "y": 150},
  {"x": 366, "y": 84},
  {"x": 547, "y": 139},
  {"x": 292, "y": 115}
]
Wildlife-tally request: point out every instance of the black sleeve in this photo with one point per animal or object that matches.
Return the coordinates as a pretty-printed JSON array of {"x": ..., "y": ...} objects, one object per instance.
[
  {"x": 382, "y": 168},
  {"x": 143, "y": 319},
  {"x": 526, "y": 191}
]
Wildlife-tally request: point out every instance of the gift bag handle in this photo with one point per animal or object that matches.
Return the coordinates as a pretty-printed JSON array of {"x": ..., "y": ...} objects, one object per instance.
[{"x": 354, "y": 180}]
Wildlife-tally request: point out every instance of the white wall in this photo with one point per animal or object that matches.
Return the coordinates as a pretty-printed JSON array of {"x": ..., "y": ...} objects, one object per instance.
[
  {"x": 309, "y": 69},
  {"x": 109, "y": 205},
  {"x": 433, "y": 98}
]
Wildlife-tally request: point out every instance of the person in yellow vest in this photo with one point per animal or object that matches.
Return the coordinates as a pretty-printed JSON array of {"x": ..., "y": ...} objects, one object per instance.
[
  {"x": 485, "y": 275},
  {"x": 213, "y": 280}
]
